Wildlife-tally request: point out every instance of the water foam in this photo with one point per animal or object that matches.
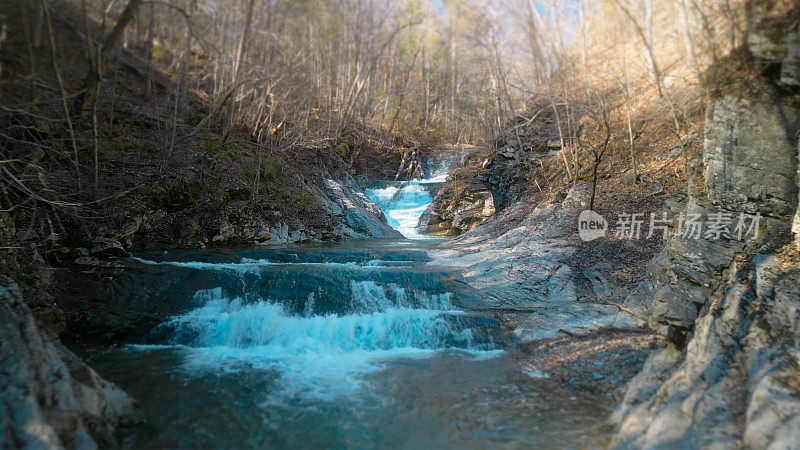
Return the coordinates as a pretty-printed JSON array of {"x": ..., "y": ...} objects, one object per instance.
[
  {"x": 405, "y": 205},
  {"x": 243, "y": 266},
  {"x": 316, "y": 356},
  {"x": 369, "y": 296},
  {"x": 248, "y": 265}
]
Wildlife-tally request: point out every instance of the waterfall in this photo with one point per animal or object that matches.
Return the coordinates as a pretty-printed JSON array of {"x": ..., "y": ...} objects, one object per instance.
[
  {"x": 403, "y": 205},
  {"x": 320, "y": 342}
]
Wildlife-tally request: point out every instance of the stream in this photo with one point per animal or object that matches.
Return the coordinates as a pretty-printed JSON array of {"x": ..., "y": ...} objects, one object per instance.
[{"x": 352, "y": 345}]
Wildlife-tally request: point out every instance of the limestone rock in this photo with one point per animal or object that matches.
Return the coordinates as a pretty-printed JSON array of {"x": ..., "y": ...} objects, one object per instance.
[
  {"x": 458, "y": 208},
  {"x": 750, "y": 158},
  {"x": 629, "y": 178},
  {"x": 225, "y": 232},
  {"x": 736, "y": 383},
  {"x": 263, "y": 235},
  {"x": 773, "y": 38},
  {"x": 750, "y": 155},
  {"x": 358, "y": 216},
  {"x": 520, "y": 260}
]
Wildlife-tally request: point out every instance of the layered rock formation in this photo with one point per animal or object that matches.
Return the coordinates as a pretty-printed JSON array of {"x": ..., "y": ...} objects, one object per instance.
[
  {"x": 729, "y": 306},
  {"x": 520, "y": 147},
  {"x": 49, "y": 398},
  {"x": 523, "y": 264},
  {"x": 490, "y": 180},
  {"x": 460, "y": 205},
  {"x": 357, "y": 216}
]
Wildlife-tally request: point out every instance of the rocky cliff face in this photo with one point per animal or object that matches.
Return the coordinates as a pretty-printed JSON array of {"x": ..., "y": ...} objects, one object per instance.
[
  {"x": 460, "y": 205},
  {"x": 48, "y": 397},
  {"x": 729, "y": 306}
]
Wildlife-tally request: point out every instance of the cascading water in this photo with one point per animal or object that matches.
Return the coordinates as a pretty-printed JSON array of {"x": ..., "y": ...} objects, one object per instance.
[
  {"x": 356, "y": 345},
  {"x": 315, "y": 355},
  {"x": 404, "y": 204}
]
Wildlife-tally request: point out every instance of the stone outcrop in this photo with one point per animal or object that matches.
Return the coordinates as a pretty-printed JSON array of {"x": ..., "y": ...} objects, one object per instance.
[
  {"x": 773, "y": 38},
  {"x": 491, "y": 179},
  {"x": 749, "y": 168},
  {"x": 358, "y": 217},
  {"x": 49, "y": 398},
  {"x": 336, "y": 210},
  {"x": 520, "y": 147},
  {"x": 751, "y": 152},
  {"x": 352, "y": 216},
  {"x": 522, "y": 262},
  {"x": 736, "y": 383},
  {"x": 460, "y": 205},
  {"x": 729, "y": 306}
]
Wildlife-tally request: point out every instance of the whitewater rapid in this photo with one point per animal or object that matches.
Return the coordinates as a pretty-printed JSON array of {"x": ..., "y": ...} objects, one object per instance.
[
  {"x": 315, "y": 355},
  {"x": 404, "y": 205},
  {"x": 349, "y": 345}
]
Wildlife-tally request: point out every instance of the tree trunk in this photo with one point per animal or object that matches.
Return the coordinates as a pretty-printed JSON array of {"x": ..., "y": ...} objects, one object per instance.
[
  {"x": 92, "y": 78},
  {"x": 38, "y": 20},
  {"x": 62, "y": 89},
  {"x": 240, "y": 53},
  {"x": 594, "y": 182},
  {"x": 643, "y": 34},
  {"x": 148, "y": 85},
  {"x": 628, "y": 110}
]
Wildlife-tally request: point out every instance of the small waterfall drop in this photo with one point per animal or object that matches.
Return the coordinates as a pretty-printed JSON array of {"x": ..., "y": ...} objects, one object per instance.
[
  {"x": 405, "y": 203},
  {"x": 357, "y": 345},
  {"x": 321, "y": 338}
]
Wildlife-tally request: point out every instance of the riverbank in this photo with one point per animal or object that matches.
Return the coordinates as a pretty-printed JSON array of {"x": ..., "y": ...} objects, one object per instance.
[
  {"x": 149, "y": 165},
  {"x": 252, "y": 311},
  {"x": 560, "y": 298}
]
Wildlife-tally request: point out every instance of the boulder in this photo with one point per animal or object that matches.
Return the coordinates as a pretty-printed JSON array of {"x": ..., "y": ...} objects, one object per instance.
[
  {"x": 456, "y": 209},
  {"x": 225, "y": 233},
  {"x": 108, "y": 248}
]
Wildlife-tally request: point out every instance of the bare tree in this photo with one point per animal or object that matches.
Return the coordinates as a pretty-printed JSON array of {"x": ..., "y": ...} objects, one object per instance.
[
  {"x": 93, "y": 76},
  {"x": 599, "y": 147}
]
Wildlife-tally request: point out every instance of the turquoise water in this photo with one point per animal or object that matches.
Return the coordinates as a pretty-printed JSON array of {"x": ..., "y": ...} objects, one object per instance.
[
  {"x": 403, "y": 203},
  {"x": 347, "y": 346},
  {"x": 358, "y": 345}
]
